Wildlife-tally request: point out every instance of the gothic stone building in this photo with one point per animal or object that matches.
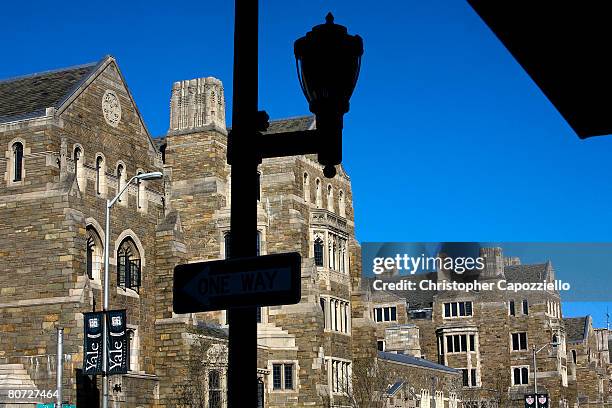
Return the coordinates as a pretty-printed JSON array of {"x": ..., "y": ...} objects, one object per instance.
[
  {"x": 489, "y": 336},
  {"x": 72, "y": 138}
]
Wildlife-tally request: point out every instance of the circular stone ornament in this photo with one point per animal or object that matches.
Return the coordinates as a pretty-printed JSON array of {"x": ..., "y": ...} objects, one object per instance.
[{"x": 111, "y": 108}]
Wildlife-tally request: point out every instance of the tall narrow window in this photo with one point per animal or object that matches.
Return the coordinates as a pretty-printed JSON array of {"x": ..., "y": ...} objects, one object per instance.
[
  {"x": 525, "y": 307},
  {"x": 94, "y": 254},
  {"x": 511, "y": 310},
  {"x": 214, "y": 389},
  {"x": 319, "y": 200},
  {"x": 139, "y": 184},
  {"x": 89, "y": 260},
  {"x": 17, "y": 161},
  {"x": 330, "y": 198},
  {"x": 258, "y": 243},
  {"x": 288, "y": 376},
  {"x": 318, "y": 252},
  {"x": 306, "y": 188},
  {"x": 120, "y": 173},
  {"x": 77, "y": 161},
  {"x": 519, "y": 341},
  {"x": 322, "y": 301},
  {"x": 258, "y": 186},
  {"x": 99, "y": 174},
  {"x": 341, "y": 204}
]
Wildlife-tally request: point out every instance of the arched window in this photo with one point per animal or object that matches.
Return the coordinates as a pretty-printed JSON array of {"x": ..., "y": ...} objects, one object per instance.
[
  {"x": 17, "y": 161},
  {"x": 95, "y": 254},
  {"x": 120, "y": 179},
  {"x": 214, "y": 389},
  {"x": 306, "y": 188},
  {"x": 128, "y": 265},
  {"x": 574, "y": 359},
  {"x": 330, "y": 198},
  {"x": 319, "y": 200},
  {"x": 555, "y": 340},
  {"x": 79, "y": 172},
  {"x": 99, "y": 174},
  {"x": 77, "y": 160},
  {"x": 341, "y": 204},
  {"x": 318, "y": 251}
]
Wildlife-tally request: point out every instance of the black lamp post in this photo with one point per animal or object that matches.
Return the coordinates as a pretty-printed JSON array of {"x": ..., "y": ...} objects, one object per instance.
[{"x": 328, "y": 62}]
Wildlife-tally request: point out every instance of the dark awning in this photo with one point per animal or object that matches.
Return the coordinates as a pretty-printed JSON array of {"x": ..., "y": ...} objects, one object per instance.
[{"x": 566, "y": 49}]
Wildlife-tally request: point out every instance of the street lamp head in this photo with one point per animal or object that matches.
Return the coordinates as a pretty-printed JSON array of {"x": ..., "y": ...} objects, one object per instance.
[
  {"x": 328, "y": 60},
  {"x": 154, "y": 175}
]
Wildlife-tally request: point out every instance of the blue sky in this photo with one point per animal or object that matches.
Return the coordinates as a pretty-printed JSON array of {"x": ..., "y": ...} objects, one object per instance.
[{"x": 447, "y": 139}]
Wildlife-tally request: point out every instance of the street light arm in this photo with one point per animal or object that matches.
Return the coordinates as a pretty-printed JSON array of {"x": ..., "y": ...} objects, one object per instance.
[{"x": 112, "y": 202}]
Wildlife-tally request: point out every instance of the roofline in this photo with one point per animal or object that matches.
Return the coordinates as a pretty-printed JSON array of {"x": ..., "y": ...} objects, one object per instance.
[
  {"x": 51, "y": 71},
  {"x": 88, "y": 79},
  {"x": 73, "y": 91},
  {"x": 438, "y": 367}
]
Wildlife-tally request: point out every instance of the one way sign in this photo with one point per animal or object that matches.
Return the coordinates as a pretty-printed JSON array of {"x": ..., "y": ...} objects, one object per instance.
[{"x": 258, "y": 281}]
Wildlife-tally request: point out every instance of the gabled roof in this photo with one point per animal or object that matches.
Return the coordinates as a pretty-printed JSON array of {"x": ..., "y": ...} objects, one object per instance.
[
  {"x": 291, "y": 124},
  {"x": 29, "y": 96},
  {"x": 576, "y": 328},
  {"x": 415, "y": 361},
  {"x": 526, "y": 273}
]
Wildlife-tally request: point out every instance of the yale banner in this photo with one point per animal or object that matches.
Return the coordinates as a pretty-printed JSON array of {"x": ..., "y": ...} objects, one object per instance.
[
  {"x": 92, "y": 360},
  {"x": 536, "y": 401},
  {"x": 118, "y": 353}
]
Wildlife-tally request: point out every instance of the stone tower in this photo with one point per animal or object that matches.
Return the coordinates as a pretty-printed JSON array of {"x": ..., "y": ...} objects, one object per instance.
[
  {"x": 494, "y": 262},
  {"x": 196, "y": 103}
]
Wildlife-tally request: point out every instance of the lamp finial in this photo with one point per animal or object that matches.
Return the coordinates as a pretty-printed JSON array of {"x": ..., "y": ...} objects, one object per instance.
[{"x": 329, "y": 18}]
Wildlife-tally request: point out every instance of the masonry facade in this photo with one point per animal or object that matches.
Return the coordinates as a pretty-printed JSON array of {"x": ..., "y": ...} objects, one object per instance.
[
  {"x": 490, "y": 337},
  {"x": 72, "y": 139}
]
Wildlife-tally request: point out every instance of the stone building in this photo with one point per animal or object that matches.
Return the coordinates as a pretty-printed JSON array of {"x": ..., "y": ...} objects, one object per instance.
[
  {"x": 72, "y": 139},
  {"x": 490, "y": 335}
]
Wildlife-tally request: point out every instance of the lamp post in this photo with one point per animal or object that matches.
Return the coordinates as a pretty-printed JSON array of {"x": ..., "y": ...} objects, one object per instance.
[
  {"x": 328, "y": 61},
  {"x": 535, "y": 367},
  {"x": 109, "y": 203}
]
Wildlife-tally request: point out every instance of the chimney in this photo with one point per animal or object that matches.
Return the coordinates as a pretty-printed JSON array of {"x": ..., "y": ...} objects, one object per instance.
[{"x": 197, "y": 103}]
